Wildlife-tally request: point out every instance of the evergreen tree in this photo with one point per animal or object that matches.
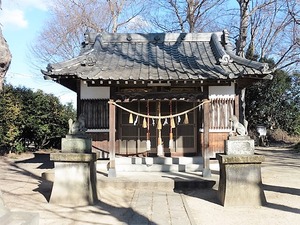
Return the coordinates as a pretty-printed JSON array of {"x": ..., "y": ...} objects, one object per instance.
[
  {"x": 272, "y": 103},
  {"x": 29, "y": 117}
]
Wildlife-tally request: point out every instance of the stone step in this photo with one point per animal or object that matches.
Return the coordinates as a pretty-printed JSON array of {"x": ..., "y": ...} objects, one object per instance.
[
  {"x": 154, "y": 164},
  {"x": 121, "y": 184},
  {"x": 158, "y": 181},
  {"x": 159, "y": 160},
  {"x": 159, "y": 168}
]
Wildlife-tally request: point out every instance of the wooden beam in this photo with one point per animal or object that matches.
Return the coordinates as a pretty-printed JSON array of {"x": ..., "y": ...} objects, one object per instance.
[{"x": 112, "y": 140}]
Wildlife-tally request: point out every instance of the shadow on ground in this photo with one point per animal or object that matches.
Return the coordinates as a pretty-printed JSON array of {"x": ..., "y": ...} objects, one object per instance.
[
  {"x": 124, "y": 214},
  {"x": 283, "y": 190},
  {"x": 43, "y": 158}
]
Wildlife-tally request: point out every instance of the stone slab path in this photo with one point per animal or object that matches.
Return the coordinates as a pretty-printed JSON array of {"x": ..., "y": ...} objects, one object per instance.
[{"x": 167, "y": 208}]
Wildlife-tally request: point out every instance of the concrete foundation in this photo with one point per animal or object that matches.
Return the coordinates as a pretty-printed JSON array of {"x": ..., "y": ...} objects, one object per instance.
[
  {"x": 240, "y": 181},
  {"x": 74, "y": 179}
]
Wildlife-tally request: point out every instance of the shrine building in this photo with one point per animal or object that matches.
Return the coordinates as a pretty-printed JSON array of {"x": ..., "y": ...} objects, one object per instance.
[{"x": 158, "y": 94}]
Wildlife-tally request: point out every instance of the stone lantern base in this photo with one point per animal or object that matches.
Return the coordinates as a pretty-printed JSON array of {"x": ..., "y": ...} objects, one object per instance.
[{"x": 240, "y": 181}]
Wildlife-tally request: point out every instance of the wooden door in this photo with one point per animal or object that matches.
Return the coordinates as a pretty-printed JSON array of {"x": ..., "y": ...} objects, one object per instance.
[{"x": 133, "y": 136}]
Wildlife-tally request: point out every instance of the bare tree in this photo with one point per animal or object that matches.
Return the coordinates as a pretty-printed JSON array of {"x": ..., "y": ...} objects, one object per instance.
[
  {"x": 117, "y": 9},
  {"x": 275, "y": 33},
  {"x": 5, "y": 58},
  {"x": 268, "y": 29},
  {"x": 186, "y": 15},
  {"x": 288, "y": 55},
  {"x": 246, "y": 12},
  {"x": 63, "y": 33}
]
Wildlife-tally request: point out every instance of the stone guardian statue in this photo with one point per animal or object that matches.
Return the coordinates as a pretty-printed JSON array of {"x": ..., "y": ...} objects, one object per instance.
[
  {"x": 77, "y": 127},
  {"x": 238, "y": 128}
]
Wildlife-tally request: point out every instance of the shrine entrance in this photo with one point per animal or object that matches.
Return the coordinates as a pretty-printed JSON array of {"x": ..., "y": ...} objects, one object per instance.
[{"x": 175, "y": 136}]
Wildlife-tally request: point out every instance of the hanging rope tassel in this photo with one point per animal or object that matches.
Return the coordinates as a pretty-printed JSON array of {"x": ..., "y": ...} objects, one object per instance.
[
  {"x": 145, "y": 125},
  {"x": 130, "y": 118},
  {"x": 148, "y": 142},
  {"x": 159, "y": 125},
  {"x": 172, "y": 123},
  {"x": 186, "y": 119}
]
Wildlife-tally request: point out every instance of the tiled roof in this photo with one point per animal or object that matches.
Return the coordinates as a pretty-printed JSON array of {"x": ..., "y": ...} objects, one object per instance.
[{"x": 162, "y": 56}]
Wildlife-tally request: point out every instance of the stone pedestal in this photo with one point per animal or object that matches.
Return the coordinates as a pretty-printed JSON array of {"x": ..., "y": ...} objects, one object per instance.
[
  {"x": 240, "y": 181},
  {"x": 74, "y": 179}
]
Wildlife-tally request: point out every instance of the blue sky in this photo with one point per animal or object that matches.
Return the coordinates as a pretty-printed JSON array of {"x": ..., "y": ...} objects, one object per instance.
[{"x": 21, "y": 21}]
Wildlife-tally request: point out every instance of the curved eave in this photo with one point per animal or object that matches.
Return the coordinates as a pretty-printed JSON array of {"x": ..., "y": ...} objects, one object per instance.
[
  {"x": 236, "y": 67},
  {"x": 258, "y": 67},
  {"x": 263, "y": 68},
  {"x": 219, "y": 63}
]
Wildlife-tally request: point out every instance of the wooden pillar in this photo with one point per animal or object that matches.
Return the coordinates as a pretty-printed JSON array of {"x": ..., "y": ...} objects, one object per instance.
[
  {"x": 78, "y": 90},
  {"x": 205, "y": 151},
  {"x": 237, "y": 102},
  {"x": 112, "y": 140}
]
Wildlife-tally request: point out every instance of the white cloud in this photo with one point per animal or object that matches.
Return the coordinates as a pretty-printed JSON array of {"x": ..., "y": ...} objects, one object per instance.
[
  {"x": 13, "y": 17},
  {"x": 24, "y": 4},
  {"x": 13, "y": 11},
  {"x": 137, "y": 23}
]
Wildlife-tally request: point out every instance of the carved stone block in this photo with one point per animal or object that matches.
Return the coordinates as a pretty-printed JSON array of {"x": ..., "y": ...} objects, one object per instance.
[
  {"x": 76, "y": 145},
  {"x": 239, "y": 145}
]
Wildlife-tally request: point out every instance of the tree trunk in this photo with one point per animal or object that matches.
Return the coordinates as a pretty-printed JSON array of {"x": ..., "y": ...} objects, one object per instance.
[
  {"x": 244, "y": 22},
  {"x": 5, "y": 59}
]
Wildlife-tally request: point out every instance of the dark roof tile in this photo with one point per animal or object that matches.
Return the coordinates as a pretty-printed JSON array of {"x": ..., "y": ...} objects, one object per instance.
[{"x": 160, "y": 56}]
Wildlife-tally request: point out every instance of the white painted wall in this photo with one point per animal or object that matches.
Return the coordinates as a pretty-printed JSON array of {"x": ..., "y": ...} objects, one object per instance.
[
  {"x": 221, "y": 91},
  {"x": 94, "y": 92}
]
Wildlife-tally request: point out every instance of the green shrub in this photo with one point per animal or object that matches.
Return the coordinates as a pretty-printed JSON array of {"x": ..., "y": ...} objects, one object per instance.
[
  {"x": 36, "y": 117},
  {"x": 19, "y": 148}
]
